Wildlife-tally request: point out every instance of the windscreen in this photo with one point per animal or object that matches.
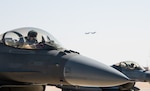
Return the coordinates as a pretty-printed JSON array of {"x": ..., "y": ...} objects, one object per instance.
[{"x": 30, "y": 38}]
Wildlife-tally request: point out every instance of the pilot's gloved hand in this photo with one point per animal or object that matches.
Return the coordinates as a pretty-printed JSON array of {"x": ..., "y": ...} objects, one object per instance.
[{"x": 40, "y": 45}]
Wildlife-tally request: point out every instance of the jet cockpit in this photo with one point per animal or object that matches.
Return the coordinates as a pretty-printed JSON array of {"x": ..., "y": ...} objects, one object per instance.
[
  {"x": 129, "y": 65},
  {"x": 18, "y": 38}
]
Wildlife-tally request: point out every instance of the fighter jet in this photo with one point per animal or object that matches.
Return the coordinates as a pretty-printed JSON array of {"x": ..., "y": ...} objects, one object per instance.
[
  {"x": 90, "y": 32},
  {"x": 31, "y": 58},
  {"x": 134, "y": 71}
]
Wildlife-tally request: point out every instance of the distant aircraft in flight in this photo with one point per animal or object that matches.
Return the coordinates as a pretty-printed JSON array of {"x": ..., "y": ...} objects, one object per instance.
[
  {"x": 31, "y": 59},
  {"x": 90, "y": 32}
]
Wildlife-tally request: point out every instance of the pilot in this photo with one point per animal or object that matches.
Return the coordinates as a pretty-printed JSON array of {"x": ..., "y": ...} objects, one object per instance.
[
  {"x": 31, "y": 37},
  {"x": 132, "y": 66}
]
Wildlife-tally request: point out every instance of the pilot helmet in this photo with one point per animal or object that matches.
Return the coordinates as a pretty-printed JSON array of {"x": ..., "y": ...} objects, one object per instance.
[{"x": 32, "y": 33}]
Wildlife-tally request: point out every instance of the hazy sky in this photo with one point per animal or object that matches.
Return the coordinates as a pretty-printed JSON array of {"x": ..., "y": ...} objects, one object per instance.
[{"x": 122, "y": 26}]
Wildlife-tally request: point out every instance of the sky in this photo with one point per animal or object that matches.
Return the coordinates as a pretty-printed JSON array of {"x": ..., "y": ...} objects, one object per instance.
[{"x": 121, "y": 26}]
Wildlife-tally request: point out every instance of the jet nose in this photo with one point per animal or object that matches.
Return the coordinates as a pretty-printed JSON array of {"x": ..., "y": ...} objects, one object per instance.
[
  {"x": 147, "y": 76},
  {"x": 83, "y": 71}
]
